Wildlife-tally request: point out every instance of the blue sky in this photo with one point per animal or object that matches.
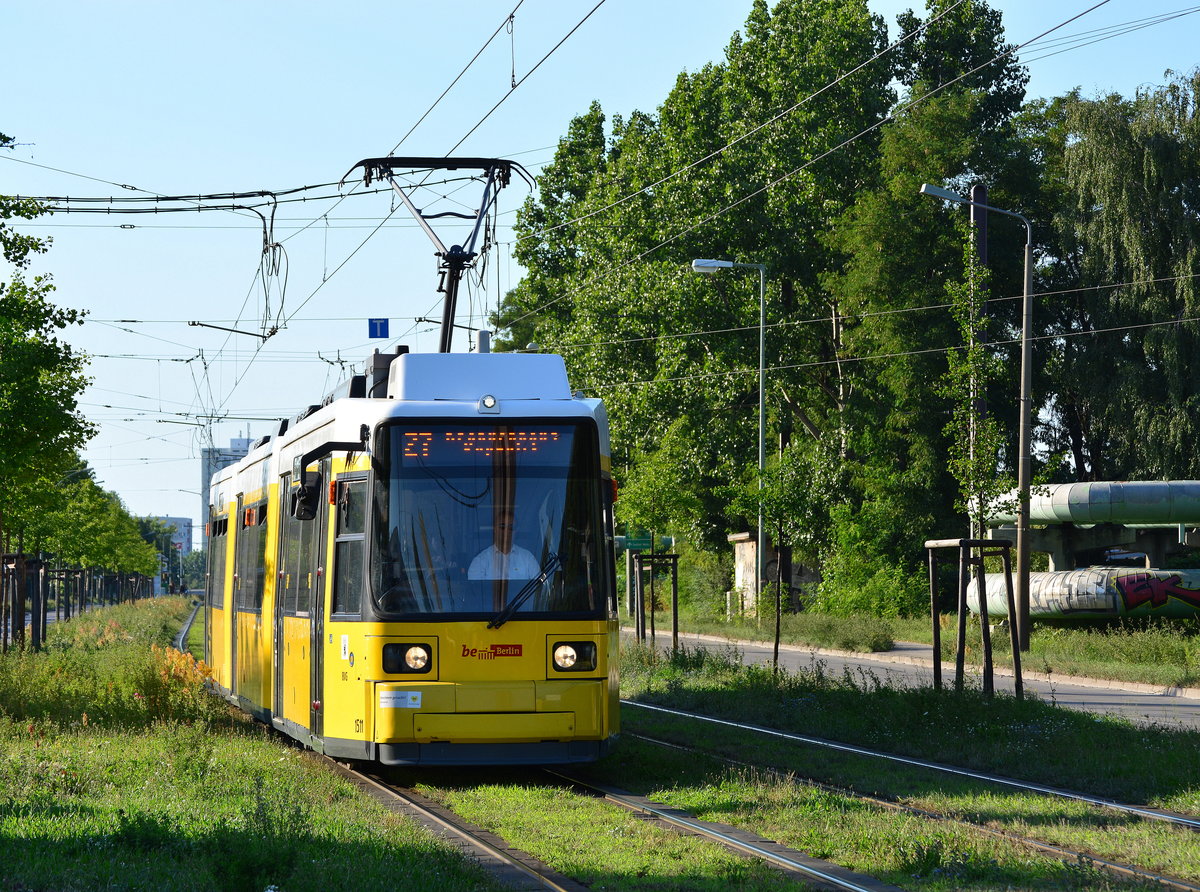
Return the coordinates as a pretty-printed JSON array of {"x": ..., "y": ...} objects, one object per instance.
[{"x": 176, "y": 98}]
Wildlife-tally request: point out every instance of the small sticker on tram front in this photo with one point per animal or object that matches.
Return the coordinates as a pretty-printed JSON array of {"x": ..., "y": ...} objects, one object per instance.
[{"x": 399, "y": 699}]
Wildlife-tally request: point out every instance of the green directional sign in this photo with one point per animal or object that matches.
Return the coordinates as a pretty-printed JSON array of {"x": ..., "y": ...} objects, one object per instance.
[{"x": 638, "y": 540}]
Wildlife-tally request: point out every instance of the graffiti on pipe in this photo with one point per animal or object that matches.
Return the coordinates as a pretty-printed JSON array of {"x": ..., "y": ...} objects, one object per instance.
[{"x": 1100, "y": 591}]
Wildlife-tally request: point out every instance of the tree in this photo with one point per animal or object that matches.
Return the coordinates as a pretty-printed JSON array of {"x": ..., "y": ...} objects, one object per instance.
[
  {"x": 608, "y": 238},
  {"x": 897, "y": 250},
  {"x": 40, "y": 375},
  {"x": 1123, "y": 176}
]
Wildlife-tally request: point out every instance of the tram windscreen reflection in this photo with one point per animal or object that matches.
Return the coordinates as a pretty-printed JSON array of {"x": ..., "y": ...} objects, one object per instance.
[{"x": 467, "y": 515}]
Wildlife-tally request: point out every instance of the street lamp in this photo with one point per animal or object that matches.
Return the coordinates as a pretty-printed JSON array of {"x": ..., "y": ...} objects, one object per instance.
[
  {"x": 1023, "y": 462},
  {"x": 711, "y": 266}
]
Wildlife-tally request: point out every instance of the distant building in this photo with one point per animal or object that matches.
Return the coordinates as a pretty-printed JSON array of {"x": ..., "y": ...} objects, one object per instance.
[
  {"x": 212, "y": 460},
  {"x": 181, "y": 539},
  {"x": 171, "y": 560}
]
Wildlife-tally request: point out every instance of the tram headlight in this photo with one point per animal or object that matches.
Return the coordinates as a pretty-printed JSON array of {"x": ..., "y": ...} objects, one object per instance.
[
  {"x": 565, "y": 656},
  {"x": 416, "y": 659},
  {"x": 407, "y": 659},
  {"x": 574, "y": 656}
]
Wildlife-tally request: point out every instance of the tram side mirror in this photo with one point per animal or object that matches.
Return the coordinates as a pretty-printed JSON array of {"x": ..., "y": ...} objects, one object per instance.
[
  {"x": 305, "y": 499},
  {"x": 306, "y": 493}
]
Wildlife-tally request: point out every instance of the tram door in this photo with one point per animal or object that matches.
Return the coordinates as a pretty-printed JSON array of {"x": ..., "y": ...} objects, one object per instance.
[
  {"x": 283, "y": 591},
  {"x": 298, "y": 614},
  {"x": 235, "y": 600},
  {"x": 320, "y": 526}
]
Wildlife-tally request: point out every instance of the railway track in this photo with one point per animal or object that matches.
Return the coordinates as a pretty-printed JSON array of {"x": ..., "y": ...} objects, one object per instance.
[
  {"x": 798, "y": 865},
  {"x": 1141, "y": 811},
  {"x": 512, "y": 867},
  {"x": 520, "y": 870},
  {"x": 1125, "y": 871},
  {"x": 1117, "y": 868}
]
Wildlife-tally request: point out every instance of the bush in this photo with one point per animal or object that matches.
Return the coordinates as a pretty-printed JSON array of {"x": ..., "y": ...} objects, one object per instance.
[
  {"x": 871, "y": 585},
  {"x": 704, "y": 578},
  {"x": 109, "y": 667}
]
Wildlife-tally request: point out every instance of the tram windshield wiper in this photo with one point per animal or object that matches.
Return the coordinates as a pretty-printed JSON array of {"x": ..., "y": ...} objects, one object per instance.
[{"x": 552, "y": 565}]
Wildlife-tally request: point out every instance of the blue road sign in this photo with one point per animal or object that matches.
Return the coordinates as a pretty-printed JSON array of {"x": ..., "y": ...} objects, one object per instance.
[{"x": 377, "y": 328}]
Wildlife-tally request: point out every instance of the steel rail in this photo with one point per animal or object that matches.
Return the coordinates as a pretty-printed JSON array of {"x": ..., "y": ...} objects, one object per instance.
[
  {"x": 489, "y": 855},
  {"x": 847, "y": 880},
  {"x": 1115, "y": 867},
  {"x": 1141, "y": 811}
]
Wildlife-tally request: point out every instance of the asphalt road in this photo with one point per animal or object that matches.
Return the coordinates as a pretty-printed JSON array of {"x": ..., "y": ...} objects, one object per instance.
[{"x": 911, "y": 665}]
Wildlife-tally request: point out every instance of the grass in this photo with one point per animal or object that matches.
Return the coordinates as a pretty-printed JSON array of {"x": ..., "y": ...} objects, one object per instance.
[
  {"x": 1032, "y": 740},
  {"x": 119, "y": 771},
  {"x": 1156, "y": 652},
  {"x": 861, "y": 634},
  {"x": 1147, "y": 651},
  {"x": 195, "y": 639},
  {"x": 601, "y": 846},
  {"x": 1028, "y": 739},
  {"x": 901, "y": 849}
]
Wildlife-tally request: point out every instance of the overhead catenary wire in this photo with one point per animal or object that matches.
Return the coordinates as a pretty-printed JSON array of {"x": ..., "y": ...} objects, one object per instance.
[
  {"x": 744, "y": 136},
  {"x": 259, "y": 354},
  {"x": 730, "y": 373},
  {"x": 373, "y": 232},
  {"x": 857, "y": 317},
  {"x": 290, "y": 356}
]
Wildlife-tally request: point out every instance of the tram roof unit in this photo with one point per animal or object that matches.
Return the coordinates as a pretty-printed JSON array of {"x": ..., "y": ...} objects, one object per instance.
[{"x": 486, "y": 386}]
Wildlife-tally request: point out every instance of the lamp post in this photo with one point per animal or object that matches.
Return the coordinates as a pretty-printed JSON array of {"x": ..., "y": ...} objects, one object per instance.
[
  {"x": 711, "y": 266},
  {"x": 1024, "y": 434}
]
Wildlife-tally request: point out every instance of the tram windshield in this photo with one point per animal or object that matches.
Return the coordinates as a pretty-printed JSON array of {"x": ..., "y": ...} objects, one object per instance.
[{"x": 499, "y": 520}]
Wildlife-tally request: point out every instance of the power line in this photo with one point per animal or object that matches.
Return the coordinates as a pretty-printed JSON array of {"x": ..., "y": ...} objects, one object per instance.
[
  {"x": 601, "y": 277},
  {"x": 527, "y": 74},
  {"x": 748, "y": 133},
  {"x": 858, "y": 317},
  {"x": 896, "y": 355},
  {"x": 507, "y": 21}
]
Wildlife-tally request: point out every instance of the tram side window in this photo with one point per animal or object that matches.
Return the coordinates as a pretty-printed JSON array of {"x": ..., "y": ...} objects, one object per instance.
[
  {"x": 251, "y": 552},
  {"x": 349, "y": 546},
  {"x": 218, "y": 532},
  {"x": 297, "y": 561},
  {"x": 289, "y": 556}
]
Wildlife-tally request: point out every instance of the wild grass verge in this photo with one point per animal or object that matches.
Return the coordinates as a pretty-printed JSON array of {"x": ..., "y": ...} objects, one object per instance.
[
  {"x": 1147, "y": 651},
  {"x": 1144, "y": 650},
  {"x": 119, "y": 771},
  {"x": 861, "y": 634},
  {"x": 1020, "y": 739},
  {"x": 1027, "y": 739}
]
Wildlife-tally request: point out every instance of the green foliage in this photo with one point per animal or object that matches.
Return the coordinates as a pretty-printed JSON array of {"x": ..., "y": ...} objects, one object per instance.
[
  {"x": 41, "y": 377},
  {"x": 598, "y": 250},
  {"x": 660, "y": 491},
  {"x": 859, "y": 575},
  {"x": 195, "y": 565},
  {"x": 825, "y": 195},
  {"x": 109, "y": 668},
  {"x": 858, "y": 632},
  {"x": 974, "y": 435},
  {"x": 1120, "y": 174}
]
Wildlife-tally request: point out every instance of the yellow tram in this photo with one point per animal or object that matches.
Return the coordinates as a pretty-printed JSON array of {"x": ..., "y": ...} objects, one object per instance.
[{"x": 419, "y": 571}]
